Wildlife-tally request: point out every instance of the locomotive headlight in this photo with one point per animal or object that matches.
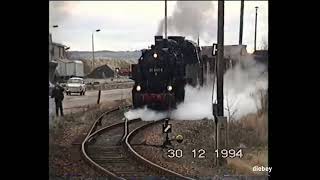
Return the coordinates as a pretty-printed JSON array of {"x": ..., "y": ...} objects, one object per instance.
[
  {"x": 138, "y": 88},
  {"x": 169, "y": 88},
  {"x": 155, "y": 55}
]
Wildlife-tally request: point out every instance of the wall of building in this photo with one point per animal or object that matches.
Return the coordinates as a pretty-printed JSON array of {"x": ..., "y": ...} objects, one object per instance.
[
  {"x": 58, "y": 52},
  {"x": 50, "y": 47}
]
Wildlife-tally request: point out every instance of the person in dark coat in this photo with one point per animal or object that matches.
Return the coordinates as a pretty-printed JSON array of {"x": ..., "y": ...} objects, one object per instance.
[{"x": 57, "y": 94}]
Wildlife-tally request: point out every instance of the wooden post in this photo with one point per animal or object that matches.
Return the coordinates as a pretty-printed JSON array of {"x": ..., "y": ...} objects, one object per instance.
[
  {"x": 255, "y": 30},
  {"x": 165, "y": 19},
  {"x": 217, "y": 141},
  {"x": 99, "y": 95},
  {"x": 241, "y": 22},
  {"x": 220, "y": 64}
]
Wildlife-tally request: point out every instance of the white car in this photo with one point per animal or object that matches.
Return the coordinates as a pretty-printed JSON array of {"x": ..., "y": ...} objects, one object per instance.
[{"x": 75, "y": 85}]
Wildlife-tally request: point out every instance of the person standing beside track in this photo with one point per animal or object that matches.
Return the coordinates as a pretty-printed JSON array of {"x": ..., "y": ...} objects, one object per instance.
[{"x": 57, "y": 94}]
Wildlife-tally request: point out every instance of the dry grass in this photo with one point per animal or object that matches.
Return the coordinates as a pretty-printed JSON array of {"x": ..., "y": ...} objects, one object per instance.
[
  {"x": 250, "y": 132},
  {"x": 250, "y": 159},
  {"x": 64, "y": 157},
  {"x": 240, "y": 167},
  {"x": 252, "y": 129}
]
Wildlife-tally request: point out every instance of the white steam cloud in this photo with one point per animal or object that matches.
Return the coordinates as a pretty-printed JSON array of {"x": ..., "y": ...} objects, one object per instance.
[
  {"x": 145, "y": 114},
  {"x": 196, "y": 105},
  {"x": 240, "y": 84}
]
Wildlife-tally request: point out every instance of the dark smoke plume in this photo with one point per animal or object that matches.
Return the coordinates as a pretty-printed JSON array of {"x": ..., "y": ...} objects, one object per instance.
[{"x": 191, "y": 18}]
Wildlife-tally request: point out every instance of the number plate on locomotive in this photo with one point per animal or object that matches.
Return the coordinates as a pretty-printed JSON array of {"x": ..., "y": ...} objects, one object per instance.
[{"x": 155, "y": 69}]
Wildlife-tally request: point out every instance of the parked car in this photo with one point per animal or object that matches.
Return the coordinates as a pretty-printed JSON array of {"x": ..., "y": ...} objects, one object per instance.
[{"x": 75, "y": 85}]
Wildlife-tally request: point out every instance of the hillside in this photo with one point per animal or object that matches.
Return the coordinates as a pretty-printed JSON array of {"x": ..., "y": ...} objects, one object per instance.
[
  {"x": 119, "y": 55},
  {"x": 113, "y": 59},
  {"x": 112, "y": 63}
]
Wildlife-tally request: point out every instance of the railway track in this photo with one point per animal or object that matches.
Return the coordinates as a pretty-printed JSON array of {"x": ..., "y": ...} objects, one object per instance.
[{"x": 108, "y": 150}]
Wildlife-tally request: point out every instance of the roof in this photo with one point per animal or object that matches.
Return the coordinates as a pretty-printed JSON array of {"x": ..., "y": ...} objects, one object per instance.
[
  {"x": 62, "y": 60},
  {"x": 58, "y": 44},
  {"x": 261, "y": 55},
  {"x": 78, "y": 61},
  {"x": 261, "y": 52},
  {"x": 101, "y": 72},
  {"x": 230, "y": 51},
  {"x": 67, "y": 61}
]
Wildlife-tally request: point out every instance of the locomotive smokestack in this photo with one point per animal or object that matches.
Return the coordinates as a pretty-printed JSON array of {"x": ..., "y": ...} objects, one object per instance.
[
  {"x": 241, "y": 22},
  {"x": 165, "y": 19}
]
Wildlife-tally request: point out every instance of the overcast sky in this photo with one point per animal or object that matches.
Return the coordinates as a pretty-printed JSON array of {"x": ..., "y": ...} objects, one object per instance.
[{"x": 132, "y": 25}]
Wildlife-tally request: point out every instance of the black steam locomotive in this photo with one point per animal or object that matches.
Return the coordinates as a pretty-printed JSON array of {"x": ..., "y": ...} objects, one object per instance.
[{"x": 163, "y": 71}]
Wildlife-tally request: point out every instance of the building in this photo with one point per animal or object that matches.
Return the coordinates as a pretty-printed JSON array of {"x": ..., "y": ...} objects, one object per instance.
[
  {"x": 56, "y": 50},
  {"x": 232, "y": 55},
  {"x": 261, "y": 56},
  {"x": 101, "y": 72},
  {"x": 60, "y": 67},
  {"x": 52, "y": 64},
  {"x": 68, "y": 68},
  {"x": 233, "y": 52}
]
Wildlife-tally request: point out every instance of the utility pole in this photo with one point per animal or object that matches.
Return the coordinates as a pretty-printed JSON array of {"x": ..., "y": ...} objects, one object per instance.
[
  {"x": 51, "y": 49},
  {"x": 241, "y": 22},
  {"x": 218, "y": 108},
  {"x": 220, "y": 57},
  {"x": 255, "y": 30},
  {"x": 165, "y": 19},
  {"x": 92, "y": 52},
  {"x": 93, "y": 48}
]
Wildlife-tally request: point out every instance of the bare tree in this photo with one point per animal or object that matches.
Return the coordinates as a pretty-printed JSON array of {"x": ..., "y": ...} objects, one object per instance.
[
  {"x": 230, "y": 107},
  {"x": 231, "y": 112},
  {"x": 261, "y": 100}
]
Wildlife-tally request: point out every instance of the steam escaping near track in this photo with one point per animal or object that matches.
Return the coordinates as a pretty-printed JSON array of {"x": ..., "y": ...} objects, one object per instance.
[
  {"x": 196, "y": 105},
  {"x": 241, "y": 85},
  {"x": 190, "y": 18},
  {"x": 145, "y": 114}
]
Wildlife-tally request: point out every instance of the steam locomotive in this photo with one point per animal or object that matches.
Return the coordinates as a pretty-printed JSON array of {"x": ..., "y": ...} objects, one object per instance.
[{"x": 163, "y": 71}]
